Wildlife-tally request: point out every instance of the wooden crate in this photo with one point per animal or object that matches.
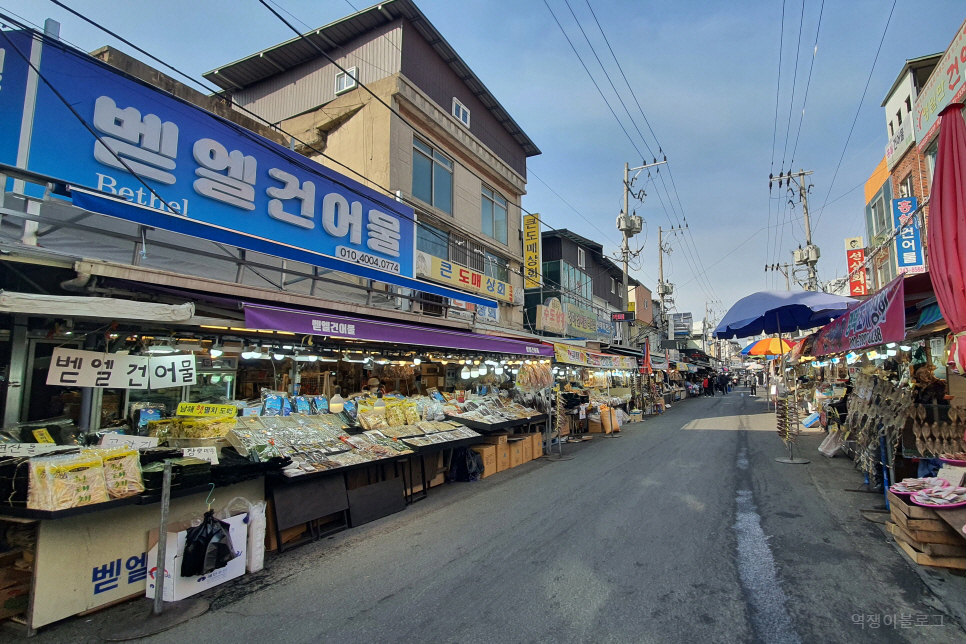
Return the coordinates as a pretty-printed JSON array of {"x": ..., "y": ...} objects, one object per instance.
[
  {"x": 932, "y": 549},
  {"x": 923, "y": 559},
  {"x": 910, "y": 510}
]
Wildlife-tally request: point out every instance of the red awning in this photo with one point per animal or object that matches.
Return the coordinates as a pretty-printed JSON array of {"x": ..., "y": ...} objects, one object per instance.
[{"x": 946, "y": 228}]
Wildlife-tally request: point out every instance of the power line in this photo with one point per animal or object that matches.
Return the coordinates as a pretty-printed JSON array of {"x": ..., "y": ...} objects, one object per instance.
[
  {"x": 774, "y": 134},
  {"x": 857, "y": 111},
  {"x": 258, "y": 139},
  {"x": 791, "y": 103},
  {"x": 647, "y": 123},
  {"x": 821, "y": 11}
]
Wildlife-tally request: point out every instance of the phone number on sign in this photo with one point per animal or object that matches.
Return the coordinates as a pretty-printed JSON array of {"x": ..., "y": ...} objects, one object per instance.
[{"x": 365, "y": 259}]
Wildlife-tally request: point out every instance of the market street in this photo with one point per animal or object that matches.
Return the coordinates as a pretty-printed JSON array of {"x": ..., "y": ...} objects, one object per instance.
[{"x": 634, "y": 540}]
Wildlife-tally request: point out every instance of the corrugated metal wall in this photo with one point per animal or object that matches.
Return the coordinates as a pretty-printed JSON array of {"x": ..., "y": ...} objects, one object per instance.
[{"x": 376, "y": 55}]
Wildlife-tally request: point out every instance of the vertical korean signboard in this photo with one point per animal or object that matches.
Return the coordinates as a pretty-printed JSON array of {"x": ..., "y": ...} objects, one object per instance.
[
  {"x": 909, "y": 255},
  {"x": 855, "y": 257},
  {"x": 531, "y": 251}
]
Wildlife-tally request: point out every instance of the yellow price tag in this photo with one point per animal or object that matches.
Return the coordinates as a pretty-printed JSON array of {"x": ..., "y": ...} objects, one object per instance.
[{"x": 43, "y": 436}]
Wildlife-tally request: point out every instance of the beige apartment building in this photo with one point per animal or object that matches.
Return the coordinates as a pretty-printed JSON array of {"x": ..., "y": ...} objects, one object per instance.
[{"x": 447, "y": 147}]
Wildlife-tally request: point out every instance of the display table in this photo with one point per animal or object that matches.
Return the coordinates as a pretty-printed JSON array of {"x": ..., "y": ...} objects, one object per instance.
[
  {"x": 96, "y": 555},
  {"x": 306, "y": 498}
]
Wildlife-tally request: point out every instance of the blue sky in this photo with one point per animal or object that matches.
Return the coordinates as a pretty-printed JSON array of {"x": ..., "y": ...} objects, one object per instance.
[{"x": 705, "y": 74}]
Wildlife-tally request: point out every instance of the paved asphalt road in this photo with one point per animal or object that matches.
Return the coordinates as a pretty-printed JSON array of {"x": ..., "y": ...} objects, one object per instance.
[{"x": 683, "y": 529}]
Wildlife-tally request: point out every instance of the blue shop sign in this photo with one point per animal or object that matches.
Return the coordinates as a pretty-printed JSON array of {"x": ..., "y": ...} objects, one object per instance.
[
  {"x": 215, "y": 179},
  {"x": 909, "y": 255}
]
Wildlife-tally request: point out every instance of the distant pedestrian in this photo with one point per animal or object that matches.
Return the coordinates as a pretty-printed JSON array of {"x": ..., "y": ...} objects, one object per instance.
[
  {"x": 754, "y": 387},
  {"x": 704, "y": 384}
]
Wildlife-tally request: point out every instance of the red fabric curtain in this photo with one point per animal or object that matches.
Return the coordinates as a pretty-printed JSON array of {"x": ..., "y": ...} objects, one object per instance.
[{"x": 946, "y": 230}]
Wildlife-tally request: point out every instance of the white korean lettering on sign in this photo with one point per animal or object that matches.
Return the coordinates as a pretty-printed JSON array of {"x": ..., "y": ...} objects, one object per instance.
[
  {"x": 209, "y": 454},
  {"x": 125, "y": 440},
  {"x": 237, "y": 187},
  {"x": 172, "y": 371},
  {"x": 77, "y": 368},
  {"x": 304, "y": 192},
  {"x": 148, "y": 146},
  {"x": 334, "y": 328}
]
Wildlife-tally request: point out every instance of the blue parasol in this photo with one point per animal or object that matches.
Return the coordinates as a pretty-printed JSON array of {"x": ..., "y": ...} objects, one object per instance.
[{"x": 781, "y": 312}]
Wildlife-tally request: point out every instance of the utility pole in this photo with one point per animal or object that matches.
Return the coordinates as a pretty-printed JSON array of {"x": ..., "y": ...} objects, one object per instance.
[
  {"x": 784, "y": 269},
  {"x": 809, "y": 255},
  {"x": 629, "y": 225},
  {"x": 664, "y": 290}
]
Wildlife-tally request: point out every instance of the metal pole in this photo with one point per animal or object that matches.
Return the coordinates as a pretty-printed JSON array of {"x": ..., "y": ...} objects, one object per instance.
[
  {"x": 803, "y": 190},
  {"x": 625, "y": 252},
  {"x": 162, "y": 538}
]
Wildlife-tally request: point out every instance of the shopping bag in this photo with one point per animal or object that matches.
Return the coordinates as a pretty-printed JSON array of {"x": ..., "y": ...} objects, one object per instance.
[{"x": 207, "y": 547}]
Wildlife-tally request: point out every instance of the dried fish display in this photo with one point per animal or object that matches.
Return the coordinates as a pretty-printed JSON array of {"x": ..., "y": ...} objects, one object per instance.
[
  {"x": 939, "y": 496},
  {"x": 911, "y": 486}
]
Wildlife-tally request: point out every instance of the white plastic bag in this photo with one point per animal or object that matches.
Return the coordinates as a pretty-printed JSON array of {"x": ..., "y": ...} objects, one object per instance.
[
  {"x": 256, "y": 528},
  {"x": 832, "y": 445}
]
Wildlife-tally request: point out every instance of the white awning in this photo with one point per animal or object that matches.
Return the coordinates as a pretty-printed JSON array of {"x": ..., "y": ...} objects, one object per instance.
[{"x": 70, "y": 306}]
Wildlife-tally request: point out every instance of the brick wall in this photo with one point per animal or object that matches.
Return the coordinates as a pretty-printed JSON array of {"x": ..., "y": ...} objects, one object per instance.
[{"x": 915, "y": 164}]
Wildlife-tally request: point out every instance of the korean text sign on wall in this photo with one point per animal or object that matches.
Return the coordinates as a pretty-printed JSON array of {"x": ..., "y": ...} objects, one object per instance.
[
  {"x": 531, "y": 252},
  {"x": 211, "y": 175},
  {"x": 946, "y": 84},
  {"x": 465, "y": 279},
  {"x": 855, "y": 256},
  {"x": 909, "y": 256}
]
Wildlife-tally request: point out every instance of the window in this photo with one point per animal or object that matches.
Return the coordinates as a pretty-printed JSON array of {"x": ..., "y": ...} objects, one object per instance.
[
  {"x": 432, "y": 240},
  {"x": 899, "y": 117},
  {"x": 432, "y": 177},
  {"x": 908, "y": 106},
  {"x": 581, "y": 258},
  {"x": 613, "y": 285},
  {"x": 878, "y": 216},
  {"x": 493, "y": 215},
  {"x": 906, "y": 188},
  {"x": 461, "y": 113},
  {"x": 892, "y": 129},
  {"x": 344, "y": 81},
  {"x": 497, "y": 267}
]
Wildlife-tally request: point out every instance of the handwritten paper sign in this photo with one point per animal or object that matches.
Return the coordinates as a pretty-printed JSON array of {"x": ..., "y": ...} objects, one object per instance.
[
  {"x": 209, "y": 454},
  {"x": 30, "y": 449},
  {"x": 126, "y": 440}
]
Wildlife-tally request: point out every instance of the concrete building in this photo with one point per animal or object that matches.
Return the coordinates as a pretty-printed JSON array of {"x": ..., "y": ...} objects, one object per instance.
[
  {"x": 878, "y": 225},
  {"x": 447, "y": 147},
  {"x": 587, "y": 284},
  {"x": 909, "y": 169}
]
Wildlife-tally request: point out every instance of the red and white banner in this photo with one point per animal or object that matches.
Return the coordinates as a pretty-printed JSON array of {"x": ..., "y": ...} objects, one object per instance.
[
  {"x": 855, "y": 254},
  {"x": 878, "y": 320}
]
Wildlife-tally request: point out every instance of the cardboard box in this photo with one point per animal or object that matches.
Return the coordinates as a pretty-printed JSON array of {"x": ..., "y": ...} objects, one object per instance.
[
  {"x": 527, "y": 449},
  {"x": 516, "y": 453},
  {"x": 177, "y": 587},
  {"x": 495, "y": 439},
  {"x": 502, "y": 457},
  {"x": 537, "y": 442},
  {"x": 488, "y": 452},
  {"x": 636, "y": 417},
  {"x": 594, "y": 427}
]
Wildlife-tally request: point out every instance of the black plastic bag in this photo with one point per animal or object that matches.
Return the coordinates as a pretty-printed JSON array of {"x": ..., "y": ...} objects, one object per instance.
[
  {"x": 207, "y": 547},
  {"x": 467, "y": 465}
]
